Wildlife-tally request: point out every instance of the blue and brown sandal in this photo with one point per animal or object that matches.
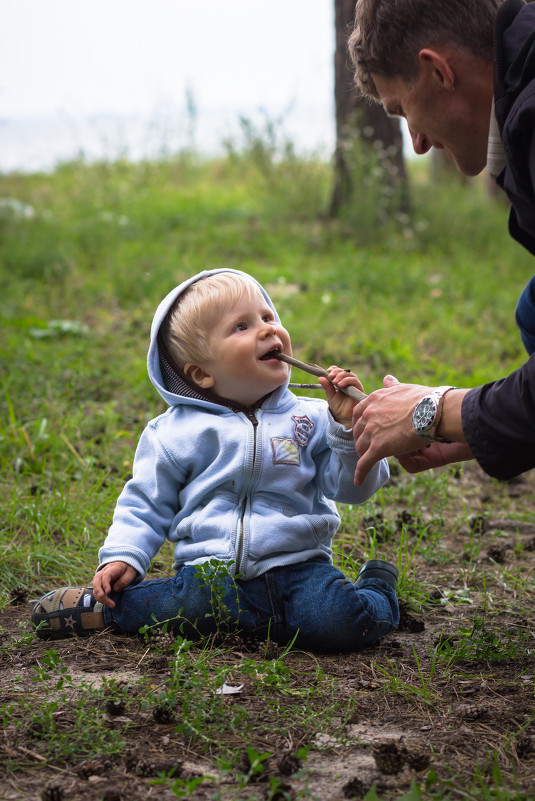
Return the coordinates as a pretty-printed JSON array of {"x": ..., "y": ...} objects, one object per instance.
[{"x": 69, "y": 610}]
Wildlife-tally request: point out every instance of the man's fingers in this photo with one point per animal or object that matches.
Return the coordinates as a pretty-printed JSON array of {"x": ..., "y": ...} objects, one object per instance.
[{"x": 364, "y": 465}]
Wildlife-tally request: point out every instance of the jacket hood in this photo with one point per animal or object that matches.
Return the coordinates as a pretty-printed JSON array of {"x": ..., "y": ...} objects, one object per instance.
[{"x": 168, "y": 379}]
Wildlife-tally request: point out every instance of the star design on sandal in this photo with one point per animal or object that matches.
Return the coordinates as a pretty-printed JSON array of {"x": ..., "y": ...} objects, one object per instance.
[{"x": 69, "y": 621}]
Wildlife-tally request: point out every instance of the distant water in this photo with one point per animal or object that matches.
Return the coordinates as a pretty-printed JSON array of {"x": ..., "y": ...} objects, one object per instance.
[{"x": 40, "y": 144}]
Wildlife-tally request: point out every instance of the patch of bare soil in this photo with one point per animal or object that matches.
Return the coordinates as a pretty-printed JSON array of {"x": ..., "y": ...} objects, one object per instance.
[{"x": 448, "y": 698}]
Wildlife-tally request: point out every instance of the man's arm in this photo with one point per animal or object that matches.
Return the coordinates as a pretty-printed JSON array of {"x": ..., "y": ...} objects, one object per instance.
[
  {"x": 499, "y": 423},
  {"x": 494, "y": 423}
]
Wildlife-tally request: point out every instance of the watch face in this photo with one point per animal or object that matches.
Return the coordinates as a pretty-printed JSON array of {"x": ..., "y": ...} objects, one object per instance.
[{"x": 424, "y": 414}]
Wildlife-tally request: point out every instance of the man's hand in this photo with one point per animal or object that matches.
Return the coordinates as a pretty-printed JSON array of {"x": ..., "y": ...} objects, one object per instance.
[
  {"x": 340, "y": 404},
  {"x": 382, "y": 426},
  {"x": 437, "y": 454},
  {"x": 113, "y": 576}
]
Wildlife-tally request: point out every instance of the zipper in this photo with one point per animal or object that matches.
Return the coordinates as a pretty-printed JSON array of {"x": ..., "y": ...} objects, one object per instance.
[{"x": 240, "y": 533}]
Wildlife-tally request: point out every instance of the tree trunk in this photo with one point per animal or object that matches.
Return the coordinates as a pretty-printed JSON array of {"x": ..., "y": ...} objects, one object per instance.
[{"x": 362, "y": 124}]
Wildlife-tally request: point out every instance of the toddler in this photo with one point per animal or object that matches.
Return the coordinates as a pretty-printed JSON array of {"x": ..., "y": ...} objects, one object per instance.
[{"x": 238, "y": 470}]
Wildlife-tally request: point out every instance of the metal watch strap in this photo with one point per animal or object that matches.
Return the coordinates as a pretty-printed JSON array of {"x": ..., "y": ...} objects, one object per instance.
[
  {"x": 440, "y": 409},
  {"x": 436, "y": 395}
]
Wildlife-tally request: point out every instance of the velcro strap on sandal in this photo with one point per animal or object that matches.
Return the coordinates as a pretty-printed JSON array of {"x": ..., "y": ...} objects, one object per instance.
[
  {"x": 72, "y": 596},
  {"x": 91, "y": 620}
]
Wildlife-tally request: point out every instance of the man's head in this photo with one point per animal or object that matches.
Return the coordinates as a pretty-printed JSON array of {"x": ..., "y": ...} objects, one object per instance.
[
  {"x": 389, "y": 34},
  {"x": 220, "y": 331},
  {"x": 432, "y": 63}
]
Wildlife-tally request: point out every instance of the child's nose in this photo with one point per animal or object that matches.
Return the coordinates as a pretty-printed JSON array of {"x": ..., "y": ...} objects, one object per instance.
[
  {"x": 268, "y": 332},
  {"x": 269, "y": 328}
]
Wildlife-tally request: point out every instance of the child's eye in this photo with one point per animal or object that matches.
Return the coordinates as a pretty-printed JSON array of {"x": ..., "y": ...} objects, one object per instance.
[
  {"x": 268, "y": 318},
  {"x": 240, "y": 327}
]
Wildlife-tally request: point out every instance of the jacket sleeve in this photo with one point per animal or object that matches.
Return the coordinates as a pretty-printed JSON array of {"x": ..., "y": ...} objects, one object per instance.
[
  {"x": 337, "y": 467},
  {"x": 146, "y": 507},
  {"x": 499, "y": 423}
]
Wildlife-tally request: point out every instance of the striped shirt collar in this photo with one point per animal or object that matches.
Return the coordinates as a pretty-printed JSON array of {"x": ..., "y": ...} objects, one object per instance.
[{"x": 495, "y": 151}]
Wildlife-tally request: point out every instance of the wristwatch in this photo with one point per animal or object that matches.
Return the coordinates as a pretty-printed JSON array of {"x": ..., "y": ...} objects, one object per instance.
[{"x": 427, "y": 413}]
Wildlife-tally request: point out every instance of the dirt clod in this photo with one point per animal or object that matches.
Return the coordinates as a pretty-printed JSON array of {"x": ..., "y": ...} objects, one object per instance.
[
  {"x": 93, "y": 767},
  {"x": 52, "y": 792},
  {"x": 115, "y": 707},
  {"x": 19, "y": 595},
  {"x": 389, "y": 757},
  {"x": 355, "y": 788},
  {"x": 408, "y": 622},
  {"x": 164, "y": 714},
  {"x": 111, "y": 794},
  {"x": 418, "y": 760},
  {"x": 497, "y": 553},
  {"x": 288, "y": 764}
]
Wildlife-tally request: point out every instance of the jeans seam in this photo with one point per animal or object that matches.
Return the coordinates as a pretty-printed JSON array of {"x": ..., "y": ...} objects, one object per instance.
[{"x": 276, "y": 615}]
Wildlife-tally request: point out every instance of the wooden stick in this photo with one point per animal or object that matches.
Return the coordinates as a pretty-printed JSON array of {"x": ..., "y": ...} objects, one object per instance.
[{"x": 315, "y": 369}]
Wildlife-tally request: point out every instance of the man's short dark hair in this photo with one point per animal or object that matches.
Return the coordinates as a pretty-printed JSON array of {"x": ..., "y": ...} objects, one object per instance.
[{"x": 389, "y": 34}]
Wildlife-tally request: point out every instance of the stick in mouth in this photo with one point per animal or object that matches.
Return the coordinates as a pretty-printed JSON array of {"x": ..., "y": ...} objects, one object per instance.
[{"x": 315, "y": 369}]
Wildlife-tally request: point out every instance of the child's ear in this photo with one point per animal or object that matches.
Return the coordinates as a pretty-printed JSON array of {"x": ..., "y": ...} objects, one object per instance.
[{"x": 198, "y": 375}]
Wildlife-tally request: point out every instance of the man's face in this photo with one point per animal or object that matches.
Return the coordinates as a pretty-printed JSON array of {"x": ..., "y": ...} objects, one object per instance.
[
  {"x": 241, "y": 336},
  {"x": 447, "y": 119}
]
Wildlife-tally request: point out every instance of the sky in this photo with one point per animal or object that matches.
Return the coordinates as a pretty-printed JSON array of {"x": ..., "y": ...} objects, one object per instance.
[
  {"x": 123, "y": 56},
  {"x": 94, "y": 77}
]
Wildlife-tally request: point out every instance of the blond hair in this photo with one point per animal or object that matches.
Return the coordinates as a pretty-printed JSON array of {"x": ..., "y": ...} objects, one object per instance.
[
  {"x": 185, "y": 331},
  {"x": 389, "y": 34}
]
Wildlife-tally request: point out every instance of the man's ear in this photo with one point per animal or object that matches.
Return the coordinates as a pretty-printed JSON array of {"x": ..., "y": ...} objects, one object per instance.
[
  {"x": 440, "y": 67},
  {"x": 198, "y": 375}
]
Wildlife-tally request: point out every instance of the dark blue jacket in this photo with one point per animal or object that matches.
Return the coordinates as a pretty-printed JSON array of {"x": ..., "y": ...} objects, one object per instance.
[
  {"x": 499, "y": 418},
  {"x": 514, "y": 99}
]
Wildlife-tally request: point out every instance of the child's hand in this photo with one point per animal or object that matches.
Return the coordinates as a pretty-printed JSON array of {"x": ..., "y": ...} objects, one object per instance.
[
  {"x": 340, "y": 404},
  {"x": 113, "y": 576}
]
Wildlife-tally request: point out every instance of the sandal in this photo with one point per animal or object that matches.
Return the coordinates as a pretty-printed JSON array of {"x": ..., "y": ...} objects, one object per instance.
[{"x": 69, "y": 610}]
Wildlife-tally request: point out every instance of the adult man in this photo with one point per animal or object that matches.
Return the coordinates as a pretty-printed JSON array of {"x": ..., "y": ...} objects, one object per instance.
[{"x": 462, "y": 73}]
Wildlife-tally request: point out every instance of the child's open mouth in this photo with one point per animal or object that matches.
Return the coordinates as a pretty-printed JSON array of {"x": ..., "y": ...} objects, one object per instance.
[{"x": 271, "y": 354}]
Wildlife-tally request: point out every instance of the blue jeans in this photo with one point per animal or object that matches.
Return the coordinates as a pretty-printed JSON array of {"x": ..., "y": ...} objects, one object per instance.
[
  {"x": 525, "y": 316},
  {"x": 312, "y": 600}
]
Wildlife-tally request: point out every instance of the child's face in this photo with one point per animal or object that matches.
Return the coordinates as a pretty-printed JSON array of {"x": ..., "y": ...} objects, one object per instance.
[{"x": 240, "y": 335}]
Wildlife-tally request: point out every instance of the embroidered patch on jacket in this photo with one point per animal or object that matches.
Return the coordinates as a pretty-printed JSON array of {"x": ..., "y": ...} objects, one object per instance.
[
  {"x": 285, "y": 451},
  {"x": 303, "y": 429}
]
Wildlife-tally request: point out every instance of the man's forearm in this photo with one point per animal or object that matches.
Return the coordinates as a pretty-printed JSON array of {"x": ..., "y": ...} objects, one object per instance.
[{"x": 451, "y": 424}]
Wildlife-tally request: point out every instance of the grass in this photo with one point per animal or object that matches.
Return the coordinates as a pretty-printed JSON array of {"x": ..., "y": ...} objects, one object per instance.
[{"x": 83, "y": 264}]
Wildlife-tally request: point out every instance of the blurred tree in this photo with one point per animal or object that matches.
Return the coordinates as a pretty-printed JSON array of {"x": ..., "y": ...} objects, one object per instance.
[{"x": 362, "y": 125}]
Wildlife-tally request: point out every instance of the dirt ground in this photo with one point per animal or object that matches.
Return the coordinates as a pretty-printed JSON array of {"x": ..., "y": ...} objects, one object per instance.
[{"x": 448, "y": 698}]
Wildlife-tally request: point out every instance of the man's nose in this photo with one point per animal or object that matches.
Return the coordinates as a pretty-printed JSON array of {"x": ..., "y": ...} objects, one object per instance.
[{"x": 420, "y": 143}]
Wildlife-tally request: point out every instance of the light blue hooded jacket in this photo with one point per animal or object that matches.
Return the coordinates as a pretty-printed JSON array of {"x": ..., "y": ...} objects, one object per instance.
[{"x": 255, "y": 488}]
